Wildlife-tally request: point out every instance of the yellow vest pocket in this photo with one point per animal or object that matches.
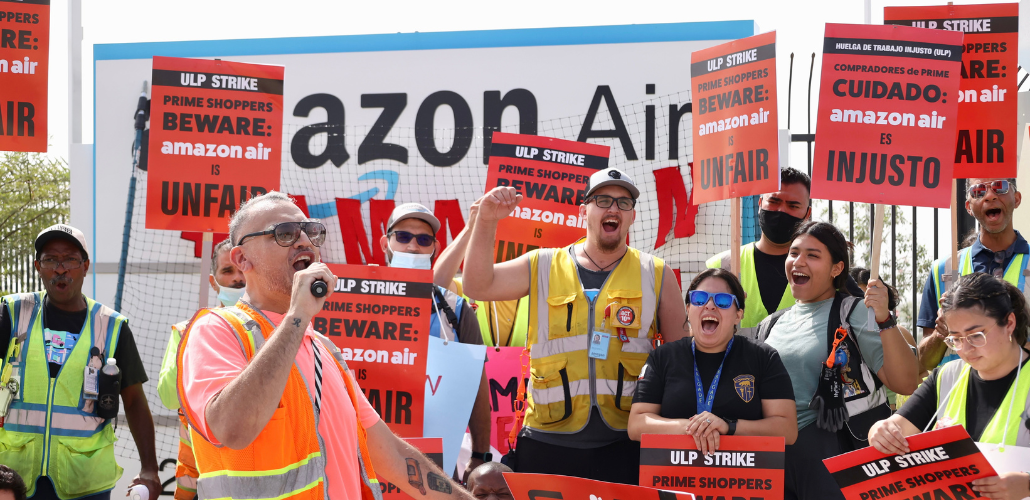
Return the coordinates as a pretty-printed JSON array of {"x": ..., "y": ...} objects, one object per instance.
[
  {"x": 83, "y": 466},
  {"x": 561, "y": 317},
  {"x": 550, "y": 394}
]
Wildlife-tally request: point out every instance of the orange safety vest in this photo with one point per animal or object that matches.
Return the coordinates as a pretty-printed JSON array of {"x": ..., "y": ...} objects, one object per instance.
[
  {"x": 186, "y": 466},
  {"x": 286, "y": 460}
]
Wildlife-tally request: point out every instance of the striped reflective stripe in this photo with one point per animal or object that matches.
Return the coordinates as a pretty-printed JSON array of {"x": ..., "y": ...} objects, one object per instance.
[
  {"x": 649, "y": 301},
  {"x": 543, "y": 290},
  {"x": 605, "y": 387},
  {"x": 271, "y": 484},
  {"x": 187, "y": 483},
  {"x": 25, "y": 420},
  {"x": 79, "y": 425},
  {"x": 565, "y": 345}
]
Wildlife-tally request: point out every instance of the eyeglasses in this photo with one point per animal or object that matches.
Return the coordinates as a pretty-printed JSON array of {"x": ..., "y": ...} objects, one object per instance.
[
  {"x": 605, "y": 201},
  {"x": 404, "y": 237},
  {"x": 68, "y": 264},
  {"x": 978, "y": 191},
  {"x": 977, "y": 339},
  {"x": 287, "y": 233},
  {"x": 722, "y": 300}
]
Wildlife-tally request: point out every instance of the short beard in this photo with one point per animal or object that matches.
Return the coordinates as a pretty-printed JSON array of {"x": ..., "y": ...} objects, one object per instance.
[{"x": 606, "y": 247}]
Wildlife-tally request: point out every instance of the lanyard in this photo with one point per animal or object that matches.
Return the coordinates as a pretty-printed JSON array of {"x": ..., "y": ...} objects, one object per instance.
[{"x": 705, "y": 404}]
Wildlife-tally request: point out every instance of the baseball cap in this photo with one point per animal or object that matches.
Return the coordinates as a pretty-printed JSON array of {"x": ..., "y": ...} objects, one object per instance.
[
  {"x": 62, "y": 231},
  {"x": 413, "y": 211},
  {"x": 612, "y": 177}
]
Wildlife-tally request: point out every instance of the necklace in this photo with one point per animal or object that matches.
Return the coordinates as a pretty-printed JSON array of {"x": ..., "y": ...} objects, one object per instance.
[{"x": 599, "y": 268}]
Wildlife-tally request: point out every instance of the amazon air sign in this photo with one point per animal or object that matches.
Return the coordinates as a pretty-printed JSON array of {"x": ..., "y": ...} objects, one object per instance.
[{"x": 375, "y": 119}]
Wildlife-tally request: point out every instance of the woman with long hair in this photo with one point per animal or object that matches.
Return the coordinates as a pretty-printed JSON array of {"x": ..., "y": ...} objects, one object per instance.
[
  {"x": 985, "y": 390},
  {"x": 838, "y": 373},
  {"x": 714, "y": 383}
]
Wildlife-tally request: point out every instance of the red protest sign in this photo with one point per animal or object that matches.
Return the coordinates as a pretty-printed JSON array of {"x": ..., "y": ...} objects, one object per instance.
[
  {"x": 215, "y": 140},
  {"x": 379, "y": 318},
  {"x": 987, "y": 111},
  {"x": 503, "y": 368},
  {"x": 546, "y": 486},
  {"x": 888, "y": 102},
  {"x": 736, "y": 144},
  {"x": 24, "y": 68},
  {"x": 744, "y": 467},
  {"x": 432, "y": 448},
  {"x": 941, "y": 464},
  {"x": 552, "y": 175}
]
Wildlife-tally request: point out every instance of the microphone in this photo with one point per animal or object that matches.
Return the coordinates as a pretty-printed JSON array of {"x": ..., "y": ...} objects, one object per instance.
[{"x": 319, "y": 288}]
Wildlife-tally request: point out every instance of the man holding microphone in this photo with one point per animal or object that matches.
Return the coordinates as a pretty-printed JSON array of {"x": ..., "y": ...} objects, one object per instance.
[{"x": 273, "y": 411}]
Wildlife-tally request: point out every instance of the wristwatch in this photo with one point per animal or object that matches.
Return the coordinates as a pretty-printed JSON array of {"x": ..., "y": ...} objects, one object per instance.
[
  {"x": 886, "y": 325},
  {"x": 486, "y": 457},
  {"x": 733, "y": 427}
]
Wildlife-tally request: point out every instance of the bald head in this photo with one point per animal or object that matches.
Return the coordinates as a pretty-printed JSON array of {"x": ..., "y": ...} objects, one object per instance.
[{"x": 487, "y": 482}]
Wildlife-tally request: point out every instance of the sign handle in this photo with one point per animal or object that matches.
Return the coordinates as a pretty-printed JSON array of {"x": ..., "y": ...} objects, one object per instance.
[
  {"x": 205, "y": 268},
  {"x": 952, "y": 274},
  {"x": 735, "y": 221},
  {"x": 874, "y": 250}
]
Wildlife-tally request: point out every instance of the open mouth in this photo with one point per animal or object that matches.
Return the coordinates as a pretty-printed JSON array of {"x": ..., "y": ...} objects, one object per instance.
[
  {"x": 993, "y": 214},
  {"x": 302, "y": 262},
  {"x": 709, "y": 324},
  {"x": 800, "y": 278},
  {"x": 610, "y": 224}
]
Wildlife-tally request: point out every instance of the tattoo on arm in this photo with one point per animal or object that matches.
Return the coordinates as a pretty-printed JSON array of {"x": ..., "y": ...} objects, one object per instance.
[
  {"x": 439, "y": 483},
  {"x": 296, "y": 322},
  {"x": 415, "y": 475}
]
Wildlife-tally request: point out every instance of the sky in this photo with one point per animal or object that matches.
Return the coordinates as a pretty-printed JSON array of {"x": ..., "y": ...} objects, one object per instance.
[{"x": 799, "y": 25}]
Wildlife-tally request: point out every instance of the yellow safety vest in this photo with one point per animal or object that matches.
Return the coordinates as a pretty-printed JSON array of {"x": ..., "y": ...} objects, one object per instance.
[
  {"x": 564, "y": 381},
  {"x": 754, "y": 307},
  {"x": 186, "y": 467},
  {"x": 485, "y": 315},
  {"x": 953, "y": 383},
  {"x": 51, "y": 429}
]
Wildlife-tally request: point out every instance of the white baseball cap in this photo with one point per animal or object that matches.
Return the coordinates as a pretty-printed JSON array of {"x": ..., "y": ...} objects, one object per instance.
[
  {"x": 62, "y": 231},
  {"x": 612, "y": 177},
  {"x": 413, "y": 211}
]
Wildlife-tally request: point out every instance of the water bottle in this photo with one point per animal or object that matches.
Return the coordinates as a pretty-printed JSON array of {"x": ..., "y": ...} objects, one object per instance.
[
  {"x": 110, "y": 389},
  {"x": 139, "y": 492}
]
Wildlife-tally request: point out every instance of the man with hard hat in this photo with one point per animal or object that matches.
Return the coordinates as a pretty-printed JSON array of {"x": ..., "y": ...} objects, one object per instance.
[
  {"x": 580, "y": 391},
  {"x": 51, "y": 433},
  {"x": 410, "y": 242}
]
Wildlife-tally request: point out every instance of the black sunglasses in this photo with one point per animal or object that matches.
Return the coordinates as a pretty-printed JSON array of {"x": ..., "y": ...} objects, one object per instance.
[
  {"x": 605, "y": 201},
  {"x": 404, "y": 237},
  {"x": 287, "y": 233},
  {"x": 978, "y": 191}
]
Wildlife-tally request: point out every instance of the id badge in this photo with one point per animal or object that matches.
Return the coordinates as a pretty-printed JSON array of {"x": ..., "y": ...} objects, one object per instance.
[
  {"x": 90, "y": 383},
  {"x": 599, "y": 345}
]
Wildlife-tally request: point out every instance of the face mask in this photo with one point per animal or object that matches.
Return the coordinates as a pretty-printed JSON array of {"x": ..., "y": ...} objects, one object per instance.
[
  {"x": 777, "y": 226},
  {"x": 230, "y": 296},
  {"x": 407, "y": 260}
]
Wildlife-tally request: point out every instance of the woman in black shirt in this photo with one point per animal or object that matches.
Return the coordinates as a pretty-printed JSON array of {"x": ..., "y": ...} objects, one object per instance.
[
  {"x": 714, "y": 383},
  {"x": 988, "y": 322}
]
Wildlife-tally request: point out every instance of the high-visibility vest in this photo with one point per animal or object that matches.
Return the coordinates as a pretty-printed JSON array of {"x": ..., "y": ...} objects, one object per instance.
[
  {"x": 489, "y": 321},
  {"x": 953, "y": 383},
  {"x": 186, "y": 466},
  {"x": 564, "y": 381},
  {"x": 1015, "y": 273},
  {"x": 51, "y": 429},
  {"x": 439, "y": 321},
  {"x": 754, "y": 307},
  {"x": 286, "y": 459}
]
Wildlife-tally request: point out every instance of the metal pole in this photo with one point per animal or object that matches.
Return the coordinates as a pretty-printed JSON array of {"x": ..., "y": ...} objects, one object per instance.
[
  {"x": 790, "y": 87},
  {"x": 915, "y": 270},
  {"x": 75, "y": 71},
  {"x": 811, "y": 70},
  {"x": 894, "y": 243}
]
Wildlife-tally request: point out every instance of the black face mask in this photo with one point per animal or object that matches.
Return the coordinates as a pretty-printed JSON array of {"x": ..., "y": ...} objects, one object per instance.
[{"x": 778, "y": 226}]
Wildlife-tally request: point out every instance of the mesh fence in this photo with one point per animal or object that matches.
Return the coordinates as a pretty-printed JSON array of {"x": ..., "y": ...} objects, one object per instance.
[{"x": 162, "y": 284}]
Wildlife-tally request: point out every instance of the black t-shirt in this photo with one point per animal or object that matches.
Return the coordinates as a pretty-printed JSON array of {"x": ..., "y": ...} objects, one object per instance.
[
  {"x": 129, "y": 362},
  {"x": 772, "y": 278},
  {"x": 983, "y": 399},
  {"x": 752, "y": 372}
]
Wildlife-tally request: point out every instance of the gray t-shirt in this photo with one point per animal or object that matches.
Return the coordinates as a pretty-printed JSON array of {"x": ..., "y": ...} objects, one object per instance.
[{"x": 800, "y": 338}]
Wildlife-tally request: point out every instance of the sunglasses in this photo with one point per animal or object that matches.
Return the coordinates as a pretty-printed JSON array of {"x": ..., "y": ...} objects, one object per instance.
[
  {"x": 605, "y": 201},
  {"x": 287, "y": 233},
  {"x": 722, "y": 300},
  {"x": 978, "y": 191},
  {"x": 404, "y": 237},
  {"x": 977, "y": 339}
]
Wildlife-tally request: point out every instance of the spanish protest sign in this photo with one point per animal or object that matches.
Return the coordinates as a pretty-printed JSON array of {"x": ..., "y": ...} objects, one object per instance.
[
  {"x": 552, "y": 176},
  {"x": 215, "y": 140},
  {"x": 735, "y": 146},
  {"x": 379, "y": 318},
  {"x": 743, "y": 467},
  {"x": 546, "y": 486},
  {"x": 888, "y": 102},
  {"x": 24, "y": 68},
  {"x": 987, "y": 114},
  {"x": 432, "y": 448},
  {"x": 941, "y": 465}
]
